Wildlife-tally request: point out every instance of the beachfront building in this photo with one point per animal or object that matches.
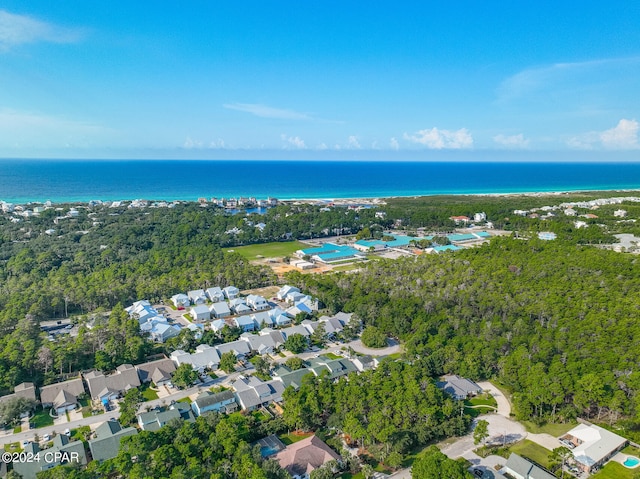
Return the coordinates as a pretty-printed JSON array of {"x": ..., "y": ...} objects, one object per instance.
[{"x": 592, "y": 446}]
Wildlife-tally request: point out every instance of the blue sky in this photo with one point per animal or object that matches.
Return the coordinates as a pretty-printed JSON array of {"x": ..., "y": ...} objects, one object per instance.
[{"x": 258, "y": 79}]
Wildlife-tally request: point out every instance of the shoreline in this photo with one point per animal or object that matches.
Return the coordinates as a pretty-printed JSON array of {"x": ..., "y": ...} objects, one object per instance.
[{"x": 347, "y": 200}]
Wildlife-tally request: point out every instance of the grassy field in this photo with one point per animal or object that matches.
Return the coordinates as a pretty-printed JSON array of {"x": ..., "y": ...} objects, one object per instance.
[
  {"x": 613, "y": 470},
  {"x": 555, "y": 430},
  {"x": 347, "y": 267},
  {"x": 290, "y": 438},
  {"x": 533, "y": 451},
  {"x": 268, "y": 250}
]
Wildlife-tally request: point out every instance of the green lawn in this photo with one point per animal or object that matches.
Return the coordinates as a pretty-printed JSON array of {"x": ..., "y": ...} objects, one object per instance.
[
  {"x": 268, "y": 250},
  {"x": 347, "y": 267},
  {"x": 42, "y": 419},
  {"x": 332, "y": 356},
  {"x": 290, "y": 438},
  {"x": 184, "y": 400},
  {"x": 261, "y": 416},
  {"x": 532, "y": 451},
  {"x": 481, "y": 400},
  {"x": 13, "y": 447},
  {"x": 556, "y": 430},
  {"x": 147, "y": 393},
  {"x": 614, "y": 470},
  {"x": 17, "y": 429}
]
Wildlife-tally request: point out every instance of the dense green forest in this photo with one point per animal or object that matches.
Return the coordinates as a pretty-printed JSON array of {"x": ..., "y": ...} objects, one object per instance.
[
  {"x": 393, "y": 409},
  {"x": 555, "y": 322}
]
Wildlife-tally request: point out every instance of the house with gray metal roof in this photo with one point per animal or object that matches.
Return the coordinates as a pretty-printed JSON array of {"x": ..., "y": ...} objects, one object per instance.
[
  {"x": 215, "y": 294},
  {"x": 252, "y": 392},
  {"x": 180, "y": 300},
  {"x": 262, "y": 319},
  {"x": 285, "y": 290},
  {"x": 197, "y": 296},
  {"x": 204, "y": 357},
  {"x": 257, "y": 303},
  {"x": 231, "y": 292},
  {"x": 200, "y": 312},
  {"x": 107, "y": 441},
  {"x": 220, "y": 310},
  {"x": 458, "y": 387},
  {"x": 520, "y": 468},
  {"x": 290, "y": 378},
  {"x": 259, "y": 343},
  {"x": 224, "y": 401},
  {"x": 337, "y": 368},
  {"x": 155, "y": 419},
  {"x": 245, "y": 323},
  {"x": 240, "y": 348}
]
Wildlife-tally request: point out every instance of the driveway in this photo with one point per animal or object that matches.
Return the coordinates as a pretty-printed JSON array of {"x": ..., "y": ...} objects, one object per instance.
[
  {"x": 504, "y": 406},
  {"x": 394, "y": 347}
]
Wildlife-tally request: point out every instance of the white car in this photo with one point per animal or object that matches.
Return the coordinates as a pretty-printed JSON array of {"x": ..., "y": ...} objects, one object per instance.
[{"x": 46, "y": 437}]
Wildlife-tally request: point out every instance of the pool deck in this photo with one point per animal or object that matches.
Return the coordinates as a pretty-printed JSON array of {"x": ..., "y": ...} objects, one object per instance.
[{"x": 621, "y": 457}]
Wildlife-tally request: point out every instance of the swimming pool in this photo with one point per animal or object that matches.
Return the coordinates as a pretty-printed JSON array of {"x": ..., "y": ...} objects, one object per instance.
[{"x": 631, "y": 462}]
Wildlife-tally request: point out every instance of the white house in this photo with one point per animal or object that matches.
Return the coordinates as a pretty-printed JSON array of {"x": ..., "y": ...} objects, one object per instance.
[
  {"x": 180, "y": 301},
  {"x": 200, "y": 312},
  {"x": 220, "y": 310},
  {"x": 215, "y": 294},
  {"x": 217, "y": 325},
  {"x": 204, "y": 357},
  {"x": 262, "y": 319},
  {"x": 231, "y": 292},
  {"x": 245, "y": 323},
  {"x": 285, "y": 290},
  {"x": 257, "y": 303},
  {"x": 160, "y": 332},
  {"x": 197, "y": 296}
]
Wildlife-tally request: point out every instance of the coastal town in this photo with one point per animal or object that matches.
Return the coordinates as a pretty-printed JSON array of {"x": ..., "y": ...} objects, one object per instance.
[{"x": 220, "y": 349}]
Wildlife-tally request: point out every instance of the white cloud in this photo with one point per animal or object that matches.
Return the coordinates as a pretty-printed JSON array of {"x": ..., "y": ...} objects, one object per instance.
[
  {"x": 20, "y": 29},
  {"x": 539, "y": 78},
  {"x": 353, "y": 143},
  {"x": 217, "y": 144},
  {"x": 322, "y": 146},
  {"x": 624, "y": 136},
  {"x": 393, "y": 143},
  {"x": 512, "y": 141},
  {"x": 294, "y": 142},
  {"x": 437, "y": 139},
  {"x": 190, "y": 143},
  {"x": 264, "y": 111}
]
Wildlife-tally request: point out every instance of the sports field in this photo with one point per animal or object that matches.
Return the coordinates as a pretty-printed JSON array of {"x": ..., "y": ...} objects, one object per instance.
[{"x": 269, "y": 250}]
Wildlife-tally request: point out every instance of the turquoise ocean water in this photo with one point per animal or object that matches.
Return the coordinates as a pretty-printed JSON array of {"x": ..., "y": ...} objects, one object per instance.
[{"x": 23, "y": 181}]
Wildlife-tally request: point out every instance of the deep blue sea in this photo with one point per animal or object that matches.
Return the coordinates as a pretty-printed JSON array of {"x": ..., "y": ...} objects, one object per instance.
[{"x": 23, "y": 181}]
